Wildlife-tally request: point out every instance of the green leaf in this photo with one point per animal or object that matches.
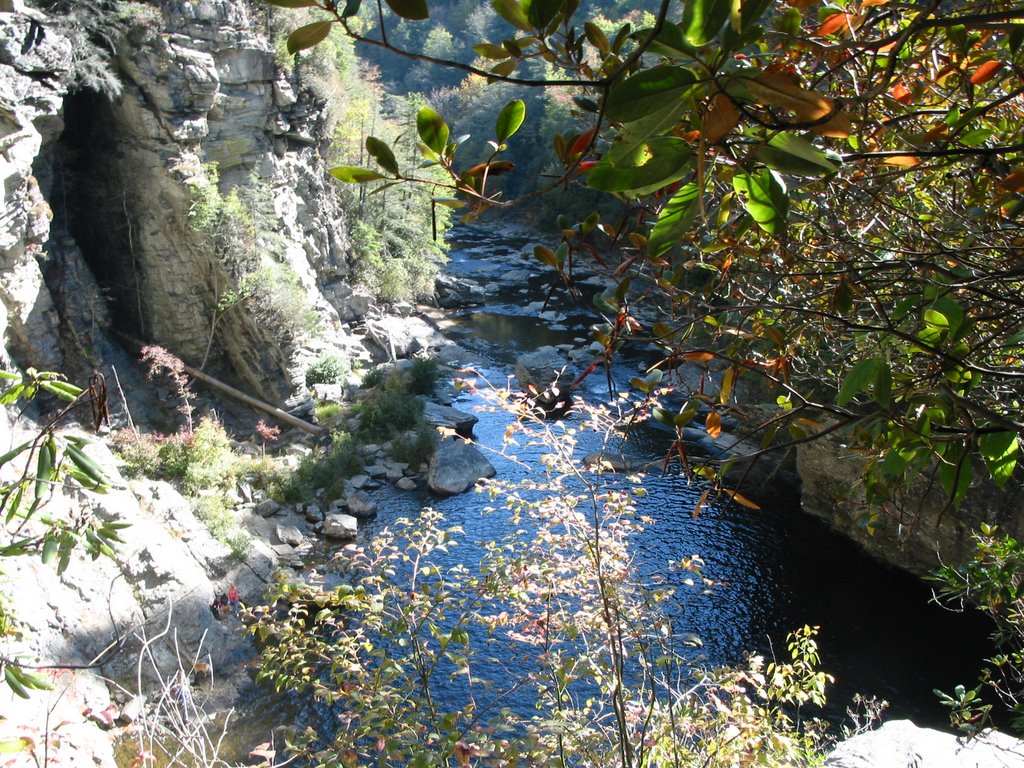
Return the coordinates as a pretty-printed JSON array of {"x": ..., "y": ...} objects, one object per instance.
[
  {"x": 513, "y": 13},
  {"x": 22, "y": 743},
  {"x": 540, "y": 13},
  {"x": 764, "y": 196},
  {"x": 382, "y": 153},
  {"x": 510, "y": 119},
  {"x": 504, "y": 68},
  {"x": 49, "y": 550},
  {"x": 946, "y": 314},
  {"x": 432, "y": 130},
  {"x": 675, "y": 219},
  {"x": 703, "y": 19},
  {"x": 596, "y": 36},
  {"x": 860, "y": 377},
  {"x": 414, "y": 10},
  {"x": 648, "y": 91},
  {"x": 351, "y": 8},
  {"x": 670, "y": 41},
  {"x": 661, "y": 161},
  {"x": 1000, "y": 451},
  {"x": 308, "y": 36},
  {"x": 788, "y": 153},
  {"x": 351, "y": 174},
  {"x": 883, "y": 384},
  {"x": 491, "y": 51},
  {"x": 956, "y": 475},
  {"x": 634, "y": 134}
]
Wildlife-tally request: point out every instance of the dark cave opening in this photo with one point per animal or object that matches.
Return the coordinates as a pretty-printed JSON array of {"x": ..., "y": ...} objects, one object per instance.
[{"x": 88, "y": 198}]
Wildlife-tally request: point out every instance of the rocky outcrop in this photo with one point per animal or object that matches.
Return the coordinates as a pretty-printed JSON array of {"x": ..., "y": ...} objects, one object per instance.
[
  {"x": 33, "y": 81},
  {"x": 132, "y": 621},
  {"x": 920, "y": 531},
  {"x": 101, "y": 192},
  {"x": 901, "y": 744}
]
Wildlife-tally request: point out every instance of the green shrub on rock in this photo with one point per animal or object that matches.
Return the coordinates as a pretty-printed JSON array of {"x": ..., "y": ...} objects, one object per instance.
[{"x": 329, "y": 369}]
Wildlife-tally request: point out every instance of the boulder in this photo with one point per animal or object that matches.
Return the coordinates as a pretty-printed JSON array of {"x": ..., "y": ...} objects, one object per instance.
[
  {"x": 901, "y": 744},
  {"x": 445, "y": 416},
  {"x": 456, "y": 466},
  {"x": 540, "y": 368},
  {"x": 289, "y": 534},
  {"x": 340, "y": 526},
  {"x": 361, "y": 506},
  {"x": 451, "y": 292},
  {"x": 400, "y": 337}
]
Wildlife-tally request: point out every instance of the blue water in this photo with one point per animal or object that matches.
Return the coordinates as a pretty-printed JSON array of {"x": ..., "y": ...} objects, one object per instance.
[{"x": 774, "y": 569}]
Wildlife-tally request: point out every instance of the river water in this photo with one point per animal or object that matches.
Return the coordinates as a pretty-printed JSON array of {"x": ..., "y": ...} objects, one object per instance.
[{"x": 775, "y": 569}]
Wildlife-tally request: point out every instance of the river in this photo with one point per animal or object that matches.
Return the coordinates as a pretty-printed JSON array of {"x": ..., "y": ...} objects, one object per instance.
[{"x": 775, "y": 568}]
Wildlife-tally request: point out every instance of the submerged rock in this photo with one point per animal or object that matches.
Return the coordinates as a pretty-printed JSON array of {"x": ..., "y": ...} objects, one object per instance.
[{"x": 456, "y": 466}]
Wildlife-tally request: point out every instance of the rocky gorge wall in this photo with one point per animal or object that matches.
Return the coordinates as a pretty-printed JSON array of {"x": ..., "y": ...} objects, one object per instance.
[{"x": 99, "y": 189}]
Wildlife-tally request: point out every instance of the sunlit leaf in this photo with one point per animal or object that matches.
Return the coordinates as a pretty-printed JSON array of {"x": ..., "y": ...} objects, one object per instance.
[
  {"x": 510, "y": 119},
  {"x": 491, "y": 51},
  {"x": 1000, "y": 451},
  {"x": 382, "y": 153},
  {"x": 789, "y": 153},
  {"x": 713, "y": 424},
  {"x": 512, "y": 12},
  {"x": 353, "y": 174},
  {"x": 308, "y": 36},
  {"x": 837, "y": 22},
  {"x": 860, "y": 377},
  {"x": 740, "y": 499},
  {"x": 703, "y": 19},
  {"x": 985, "y": 72},
  {"x": 674, "y": 220},
  {"x": 764, "y": 196},
  {"x": 660, "y": 162},
  {"x": 432, "y": 129}
]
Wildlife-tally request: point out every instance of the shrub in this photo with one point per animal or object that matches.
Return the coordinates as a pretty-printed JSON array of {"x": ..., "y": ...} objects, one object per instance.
[
  {"x": 327, "y": 412},
  {"x": 329, "y": 369},
  {"x": 216, "y": 513},
  {"x": 323, "y": 469},
  {"x": 422, "y": 376},
  {"x": 140, "y": 454},
  {"x": 374, "y": 379},
  {"x": 210, "y": 461},
  {"x": 416, "y": 446},
  {"x": 174, "y": 458},
  {"x": 387, "y": 412}
]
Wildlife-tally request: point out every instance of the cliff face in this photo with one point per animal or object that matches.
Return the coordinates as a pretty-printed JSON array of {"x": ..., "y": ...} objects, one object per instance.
[
  {"x": 100, "y": 226},
  {"x": 918, "y": 532}
]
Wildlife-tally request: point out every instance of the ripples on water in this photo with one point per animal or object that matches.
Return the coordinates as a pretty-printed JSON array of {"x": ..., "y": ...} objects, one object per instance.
[{"x": 775, "y": 569}]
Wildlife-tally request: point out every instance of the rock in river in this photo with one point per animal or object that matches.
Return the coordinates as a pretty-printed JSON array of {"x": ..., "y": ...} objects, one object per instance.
[{"x": 456, "y": 466}]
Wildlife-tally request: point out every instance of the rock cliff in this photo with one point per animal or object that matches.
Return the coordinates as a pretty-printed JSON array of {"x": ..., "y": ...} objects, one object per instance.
[{"x": 106, "y": 197}]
